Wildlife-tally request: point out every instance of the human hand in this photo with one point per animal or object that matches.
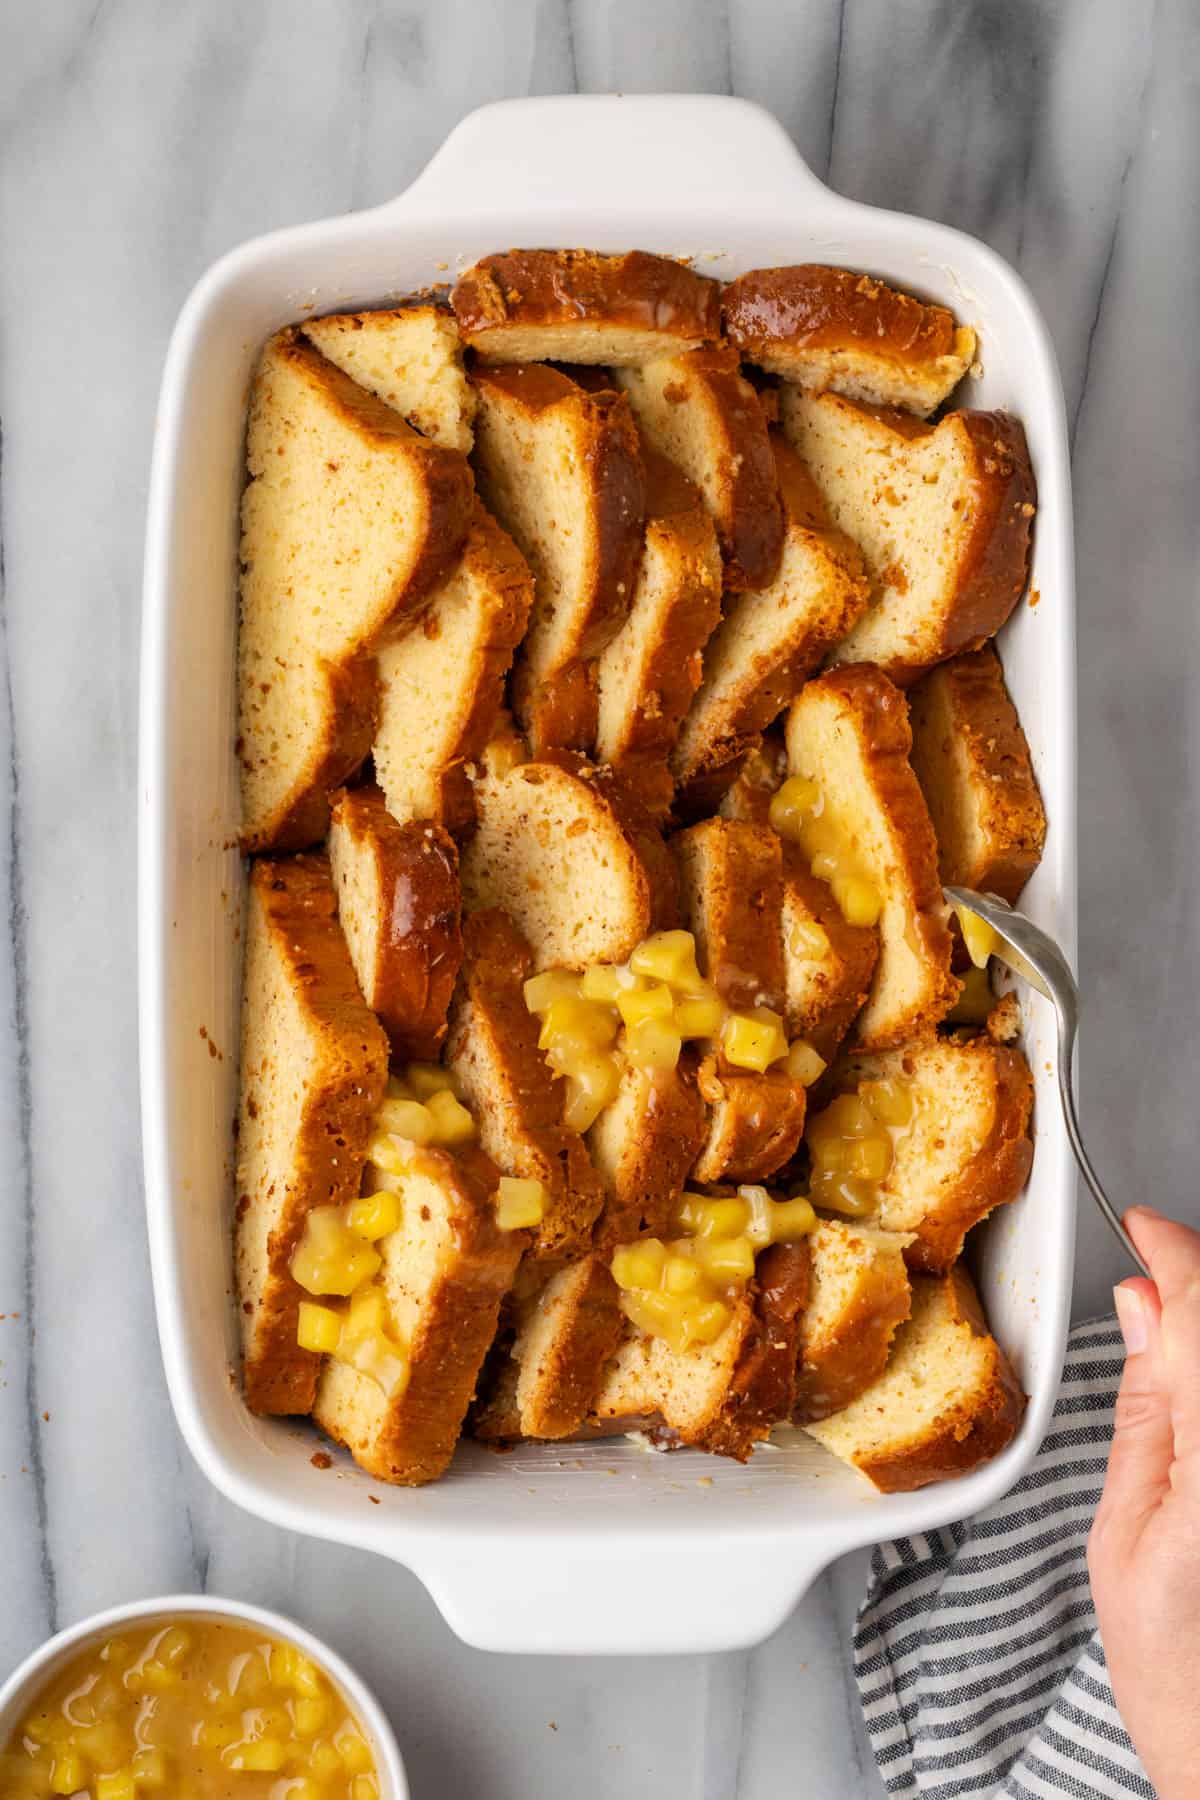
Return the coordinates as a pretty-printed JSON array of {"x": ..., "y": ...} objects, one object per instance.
[{"x": 1144, "y": 1547}]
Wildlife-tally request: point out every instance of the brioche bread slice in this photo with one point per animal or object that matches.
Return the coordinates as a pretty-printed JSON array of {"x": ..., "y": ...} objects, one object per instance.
[
  {"x": 578, "y": 306},
  {"x": 972, "y": 761},
  {"x": 564, "y": 1337},
  {"x": 411, "y": 357},
  {"x": 399, "y": 908},
  {"x": 518, "y": 1102},
  {"x": 314, "y": 1064},
  {"x": 942, "y": 514},
  {"x": 769, "y": 642},
  {"x": 570, "y": 855},
  {"x": 730, "y": 896},
  {"x": 349, "y": 521},
  {"x": 755, "y": 1122},
  {"x": 828, "y": 963},
  {"x": 650, "y": 671},
  {"x": 946, "y": 1402},
  {"x": 441, "y": 685},
  {"x": 725, "y": 1396},
  {"x": 562, "y": 471},
  {"x": 859, "y": 1294},
  {"x": 700, "y": 410},
  {"x": 967, "y": 1149},
  {"x": 848, "y": 730},
  {"x": 643, "y": 1144},
  {"x": 445, "y": 1272},
  {"x": 835, "y": 329}
]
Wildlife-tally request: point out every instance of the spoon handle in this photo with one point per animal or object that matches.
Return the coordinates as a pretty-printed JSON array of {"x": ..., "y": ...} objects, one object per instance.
[{"x": 1066, "y": 1061}]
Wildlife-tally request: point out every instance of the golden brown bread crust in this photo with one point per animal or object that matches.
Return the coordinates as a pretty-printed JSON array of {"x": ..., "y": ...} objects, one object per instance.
[
  {"x": 963, "y": 1437},
  {"x": 853, "y": 1355},
  {"x": 731, "y": 885},
  {"x": 750, "y": 526},
  {"x": 563, "y": 287},
  {"x": 639, "y": 829},
  {"x": 776, "y": 674},
  {"x": 854, "y": 950},
  {"x": 761, "y": 1392},
  {"x": 529, "y": 1103},
  {"x": 965, "y": 701},
  {"x": 293, "y": 904},
  {"x": 996, "y": 564},
  {"x": 995, "y": 1174},
  {"x": 350, "y": 715},
  {"x": 447, "y": 473},
  {"x": 756, "y": 1124},
  {"x": 558, "y": 708},
  {"x": 993, "y": 565},
  {"x": 677, "y": 522},
  {"x": 819, "y": 307},
  {"x": 545, "y": 1385},
  {"x": 643, "y": 1185},
  {"x": 420, "y": 1428},
  {"x": 418, "y": 945},
  {"x": 510, "y": 587},
  {"x": 887, "y": 743},
  {"x": 350, "y": 719}
]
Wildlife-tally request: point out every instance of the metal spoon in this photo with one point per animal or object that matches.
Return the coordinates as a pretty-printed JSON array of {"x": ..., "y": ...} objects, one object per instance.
[{"x": 1025, "y": 948}]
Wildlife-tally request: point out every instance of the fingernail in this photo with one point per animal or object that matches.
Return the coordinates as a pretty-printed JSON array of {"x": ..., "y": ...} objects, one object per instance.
[
  {"x": 1151, "y": 1212},
  {"x": 1131, "y": 1317}
]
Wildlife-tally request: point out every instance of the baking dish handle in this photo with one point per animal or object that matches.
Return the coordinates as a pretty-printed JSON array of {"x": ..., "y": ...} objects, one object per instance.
[
  {"x": 603, "y": 149},
  {"x": 656, "y": 1597}
]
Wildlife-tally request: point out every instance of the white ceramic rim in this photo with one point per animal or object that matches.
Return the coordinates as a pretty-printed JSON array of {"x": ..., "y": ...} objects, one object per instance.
[
  {"x": 463, "y": 1563},
  {"x": 28, "y": 1677}
]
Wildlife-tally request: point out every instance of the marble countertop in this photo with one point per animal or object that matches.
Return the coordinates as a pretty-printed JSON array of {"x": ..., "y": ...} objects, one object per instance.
[{"x": 138, "y": 144}]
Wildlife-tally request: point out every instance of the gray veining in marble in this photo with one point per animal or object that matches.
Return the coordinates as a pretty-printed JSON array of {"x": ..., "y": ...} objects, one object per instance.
[{"x": 137, "y": 142}]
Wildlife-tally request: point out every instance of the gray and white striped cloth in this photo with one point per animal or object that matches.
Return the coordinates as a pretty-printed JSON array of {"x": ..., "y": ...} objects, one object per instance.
[{"x": 979, "y": 1665}]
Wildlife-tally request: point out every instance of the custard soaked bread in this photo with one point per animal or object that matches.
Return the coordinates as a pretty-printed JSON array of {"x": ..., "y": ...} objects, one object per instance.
[
  {"x": 828, "y": 962},
  {"x": 577, "y": 306},
  {"x": 731, "y": 893},
  {"x": 650, "y": 671},
  {"x": 441, "y": 685},
  {"x": 731, "y": 899},
  {"x": 724, "y": 1396},
  {"x": 314, "y": 1061},
  {"x": 862, "y": 820},
  {"x": 517, "y": 1100},
  {"x": 349, "y": 521},
  {"x": 700, "y": 410},
  {"x": 859, "y": 1294},
  {"x": 942, "y": 514},
  {"x": 564, "y": 1335},
  {"x": 564, "y": 849},
  {"x": 755, "y": 1122},
  {"x": 445, "y": 1271},
  {"x": 398, "y": 906},
  {"x": 956, "y": 1113},
  {"x": 972, "y": 761},
  {"x": 643, "y": 1145},
  {"x": 769, "y": 642},
  {"x": 839, "y": 330},
  {"x": 411, "y": 357},
  {"x": 561, "y": 469},
  {"x": 946, "y": 1402}
]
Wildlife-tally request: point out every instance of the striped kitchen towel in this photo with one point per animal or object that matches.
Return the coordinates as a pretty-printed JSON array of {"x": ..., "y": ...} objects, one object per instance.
[{"x": 979, "y": 1665}]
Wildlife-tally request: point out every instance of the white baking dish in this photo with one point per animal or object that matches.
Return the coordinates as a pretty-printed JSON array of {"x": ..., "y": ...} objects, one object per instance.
[{"x": 575, "y": 1548}]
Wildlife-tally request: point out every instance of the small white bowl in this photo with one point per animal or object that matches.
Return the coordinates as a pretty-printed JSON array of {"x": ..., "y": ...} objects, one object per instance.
[{"x": 30, "y": 1677}]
